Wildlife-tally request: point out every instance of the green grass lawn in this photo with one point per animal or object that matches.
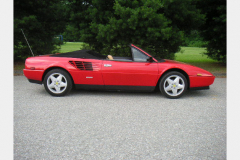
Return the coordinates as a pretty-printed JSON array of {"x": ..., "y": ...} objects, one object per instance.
[
  {"x": 195, "y": 56},
  {"x": 192, "y": 55},
  {"x": 71, "y": 46}
]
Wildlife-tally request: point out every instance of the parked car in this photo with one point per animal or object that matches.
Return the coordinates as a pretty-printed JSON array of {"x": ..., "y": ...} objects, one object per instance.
[{"x": 86, "y": 69}]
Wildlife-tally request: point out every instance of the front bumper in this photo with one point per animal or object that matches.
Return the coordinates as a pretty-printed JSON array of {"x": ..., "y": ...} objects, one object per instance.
[{"x": 200, "y": 81}]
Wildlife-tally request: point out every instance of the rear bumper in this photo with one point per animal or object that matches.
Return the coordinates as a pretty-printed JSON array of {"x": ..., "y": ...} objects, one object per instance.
[{"x": 33, "y": 75}]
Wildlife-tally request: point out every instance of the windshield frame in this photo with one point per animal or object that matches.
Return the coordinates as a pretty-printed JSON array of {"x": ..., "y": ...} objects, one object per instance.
[{"x": 143, "y": 52}]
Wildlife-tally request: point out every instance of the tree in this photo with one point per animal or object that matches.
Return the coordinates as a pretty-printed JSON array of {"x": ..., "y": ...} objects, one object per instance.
[
  {"x": 194, "y": 39},
  {"x": 40, "y": 21},
  {"x": 70, "y": 33},
  {"x": 157, "y": 26},
  {"x": 214, "y": 28}
]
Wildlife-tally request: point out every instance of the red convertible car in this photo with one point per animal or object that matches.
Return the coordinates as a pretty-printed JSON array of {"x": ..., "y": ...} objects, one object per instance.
[{"x": 86, "y": 69}]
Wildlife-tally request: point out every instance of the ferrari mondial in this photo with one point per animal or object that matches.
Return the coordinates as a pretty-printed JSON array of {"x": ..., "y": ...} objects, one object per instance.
[{"x": 86, "y": 69}]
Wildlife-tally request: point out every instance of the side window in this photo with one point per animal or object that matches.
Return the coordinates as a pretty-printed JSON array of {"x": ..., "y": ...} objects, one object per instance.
[{"x": 139, "y": 56}]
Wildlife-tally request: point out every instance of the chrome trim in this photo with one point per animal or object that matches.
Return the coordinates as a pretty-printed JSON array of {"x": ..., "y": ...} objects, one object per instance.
[{"x": 107, "y": 65}]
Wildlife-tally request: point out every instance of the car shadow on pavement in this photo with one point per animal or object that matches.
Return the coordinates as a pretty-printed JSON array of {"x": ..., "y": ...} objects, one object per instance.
[
  {"x": 197, "y": 93},
  {"x": 157, "y": 94},
  {"x": 116, "y": 93}
]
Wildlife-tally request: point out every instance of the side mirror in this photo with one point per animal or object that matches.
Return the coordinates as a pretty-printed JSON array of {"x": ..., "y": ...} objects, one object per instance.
[{"x": 150, "y": 59}]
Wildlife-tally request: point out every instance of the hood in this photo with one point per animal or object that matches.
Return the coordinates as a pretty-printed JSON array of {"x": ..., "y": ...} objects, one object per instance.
[{"x": 189, "y": 69}]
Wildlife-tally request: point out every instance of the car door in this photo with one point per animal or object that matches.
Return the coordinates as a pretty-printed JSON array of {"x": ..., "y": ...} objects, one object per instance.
[{"x": 138, "y": 72}]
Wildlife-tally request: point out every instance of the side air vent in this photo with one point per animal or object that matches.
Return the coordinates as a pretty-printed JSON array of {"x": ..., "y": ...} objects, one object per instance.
[{"x": 82, "y": 65}]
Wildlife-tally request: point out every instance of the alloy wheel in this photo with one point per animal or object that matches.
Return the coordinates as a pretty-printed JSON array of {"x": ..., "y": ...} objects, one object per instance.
[
  {"x": 57, "y": 83},
  {"x": 174, "y": 85}
]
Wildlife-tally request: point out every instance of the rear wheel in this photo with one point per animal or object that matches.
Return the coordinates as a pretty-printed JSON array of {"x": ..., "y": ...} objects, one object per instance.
[
  {"x": 173, "y": 84},
  {"x": 57, "y": 82}
]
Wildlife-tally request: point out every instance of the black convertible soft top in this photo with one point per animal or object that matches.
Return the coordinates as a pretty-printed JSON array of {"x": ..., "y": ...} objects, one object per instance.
[{"x": 89, "y": 54}]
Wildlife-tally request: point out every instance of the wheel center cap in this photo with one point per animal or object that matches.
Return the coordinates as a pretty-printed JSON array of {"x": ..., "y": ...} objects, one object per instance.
[
  {"x": 174, "y": 85},
  {"x": 56, "y": 83}
]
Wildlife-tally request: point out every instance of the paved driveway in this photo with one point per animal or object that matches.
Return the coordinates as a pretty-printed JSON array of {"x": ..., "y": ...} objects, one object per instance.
[{"x": 117, "y": 125}]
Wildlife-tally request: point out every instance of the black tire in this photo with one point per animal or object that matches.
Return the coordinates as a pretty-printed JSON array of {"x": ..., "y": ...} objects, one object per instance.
[
  {"x": 57, "y": 82},
  {"x": 173, "y": 84}
]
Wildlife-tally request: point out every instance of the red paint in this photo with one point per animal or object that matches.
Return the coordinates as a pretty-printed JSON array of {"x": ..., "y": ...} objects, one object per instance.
[{"x": 130, "y": 73}]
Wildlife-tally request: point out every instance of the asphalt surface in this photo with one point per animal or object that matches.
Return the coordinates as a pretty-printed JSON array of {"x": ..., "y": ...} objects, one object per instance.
[{"x": 119, "y": 125}]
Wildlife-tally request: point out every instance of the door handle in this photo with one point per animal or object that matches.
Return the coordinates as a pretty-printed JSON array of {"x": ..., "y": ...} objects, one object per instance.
[{"x": 107, "y": 65}]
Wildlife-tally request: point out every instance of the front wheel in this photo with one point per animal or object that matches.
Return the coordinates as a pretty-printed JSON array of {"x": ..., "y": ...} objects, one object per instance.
[
  {"x": 57, "y": 82},
  {"x": 173, "y": 84}
]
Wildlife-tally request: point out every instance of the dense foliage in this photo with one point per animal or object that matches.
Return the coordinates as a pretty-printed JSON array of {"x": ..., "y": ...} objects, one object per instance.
[
  {"x": 109, "y": 26},
  {"x": 40, "y": 21},
  {"x": 71, "y": 34},
  {"x": 158, "y": 26},
  {"x": 194, "y": 39},
  {"x": 214, "y": 28}
]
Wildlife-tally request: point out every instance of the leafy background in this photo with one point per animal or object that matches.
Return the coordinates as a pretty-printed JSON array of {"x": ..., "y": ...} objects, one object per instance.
[{"x": 160, "y": 27}]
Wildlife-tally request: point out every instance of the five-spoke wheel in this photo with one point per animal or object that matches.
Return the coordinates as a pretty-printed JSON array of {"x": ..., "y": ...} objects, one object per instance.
[
  {"x": 173, "y": 84},
  {"x": 57, "y": 82}
]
